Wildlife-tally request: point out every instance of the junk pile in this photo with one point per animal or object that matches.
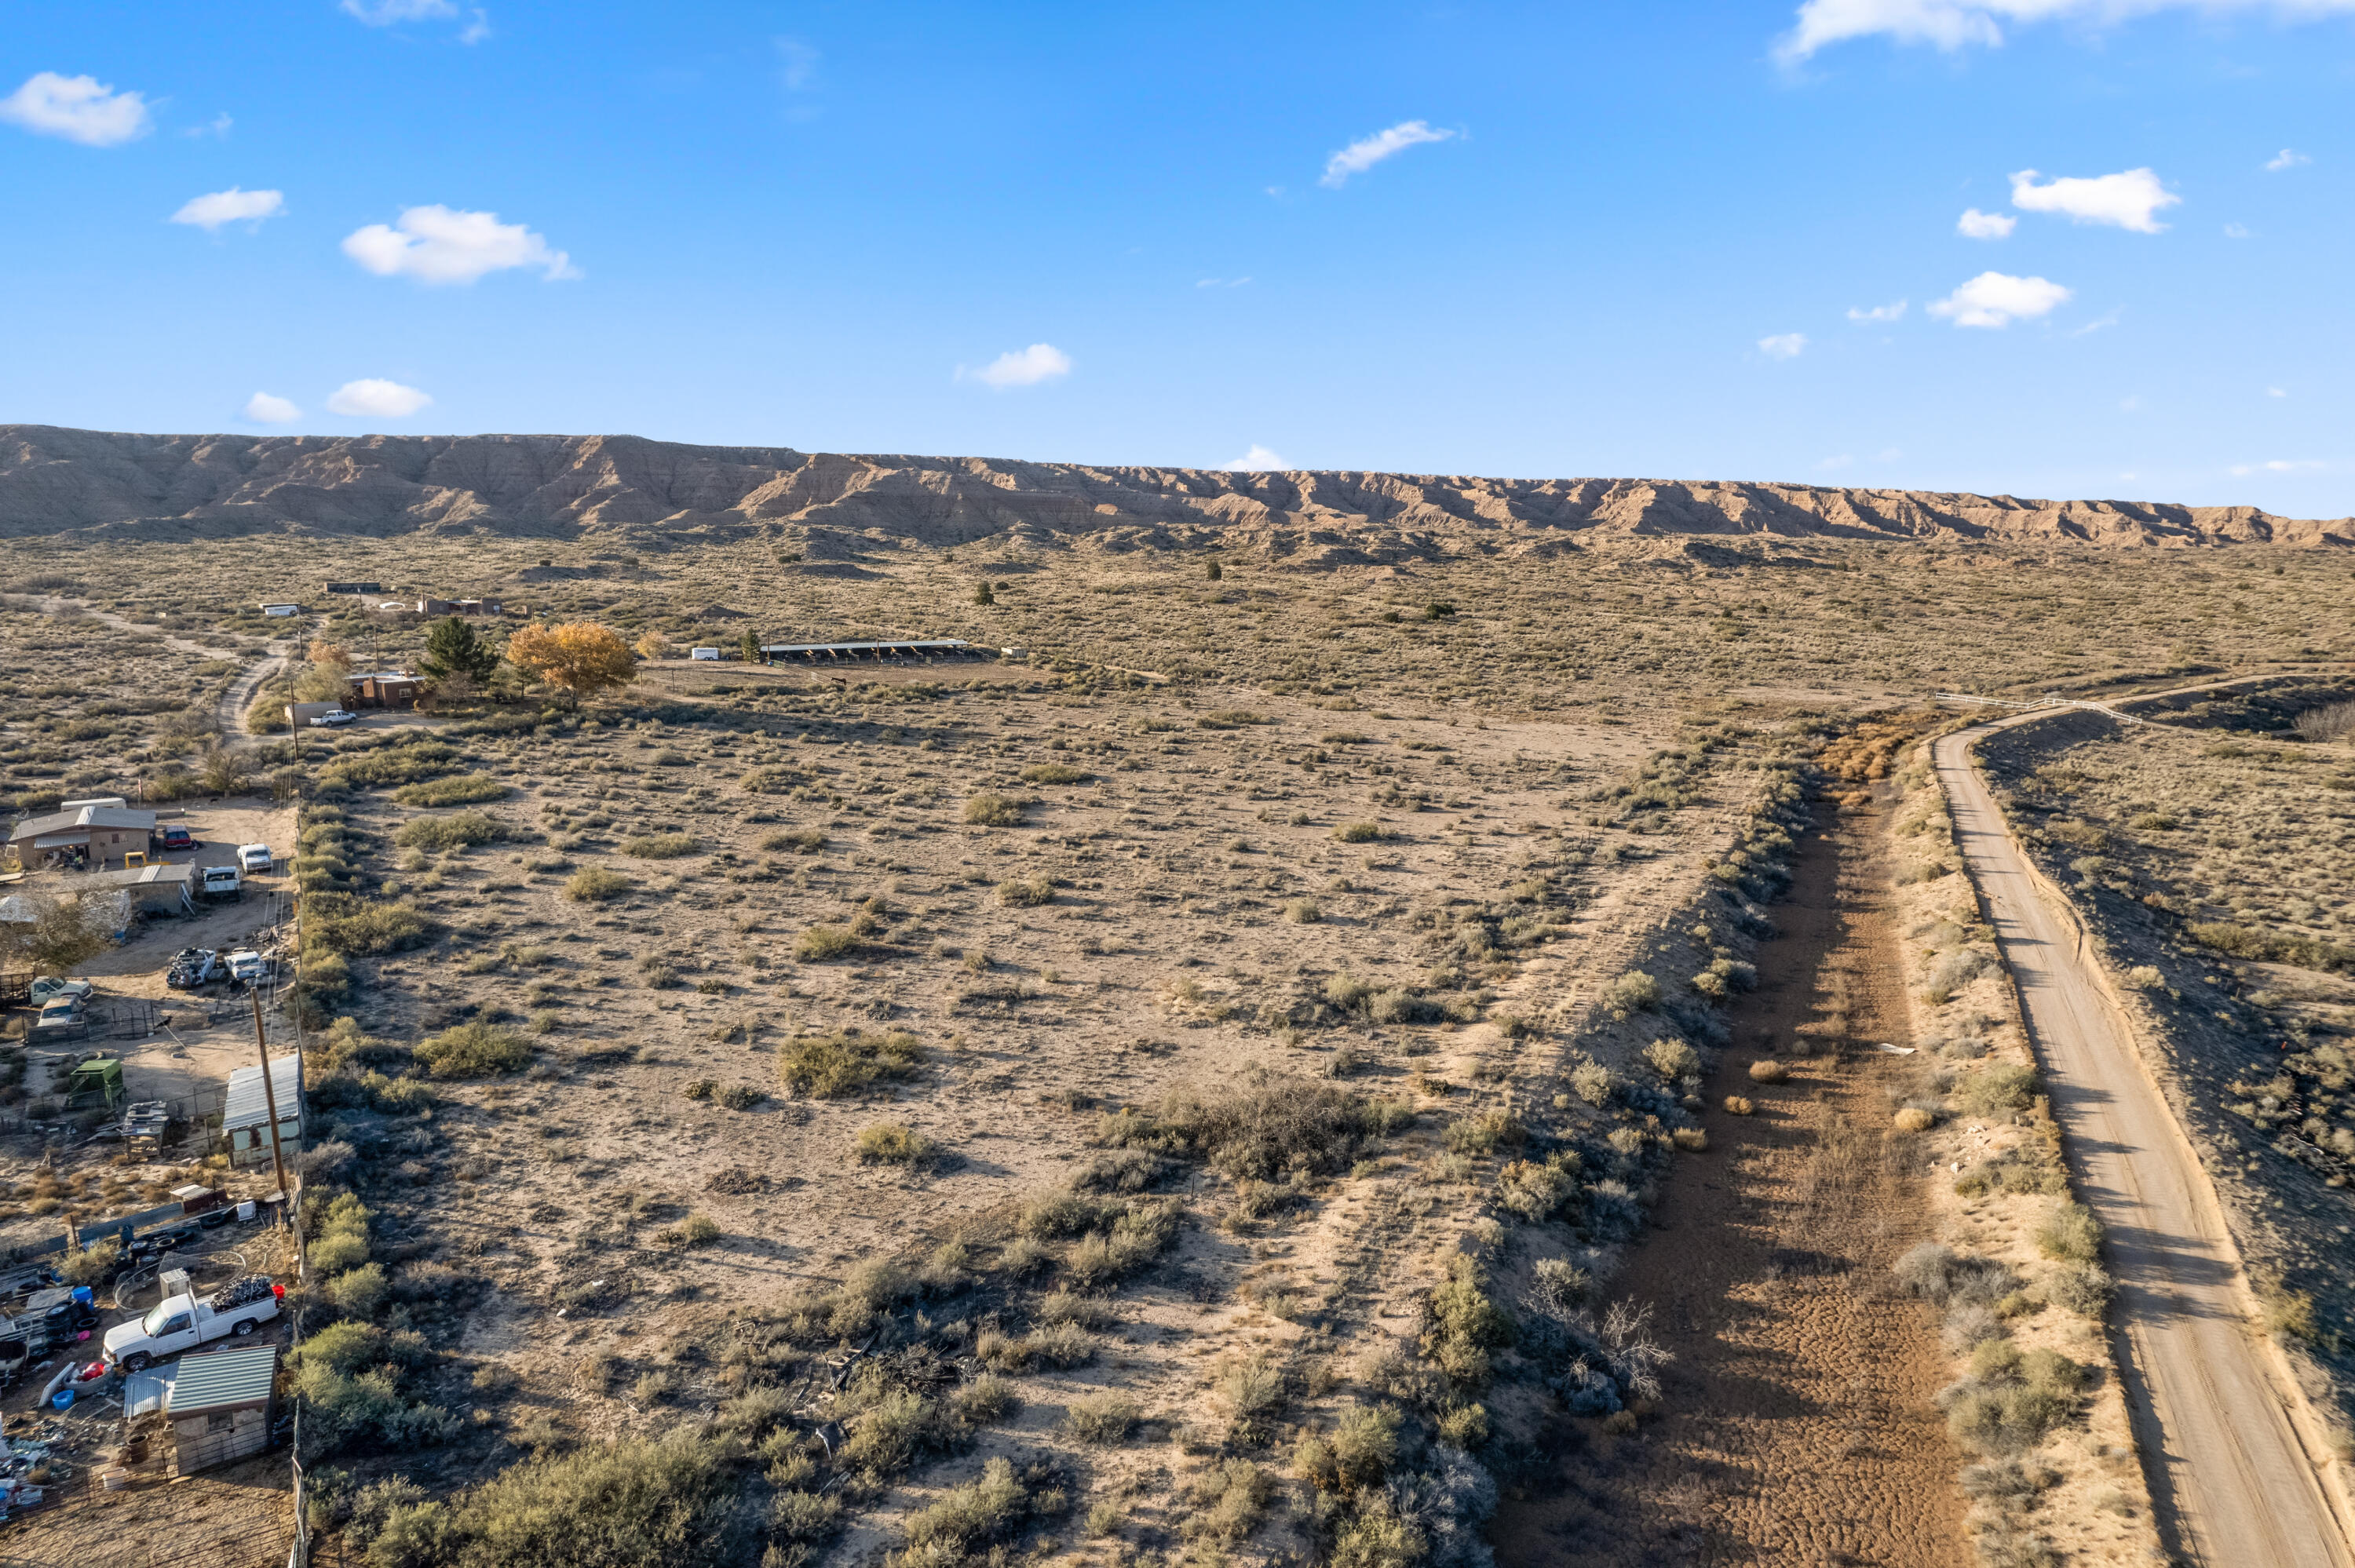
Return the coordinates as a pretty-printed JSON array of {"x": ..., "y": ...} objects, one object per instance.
[{"x": 240, "y": 1292}]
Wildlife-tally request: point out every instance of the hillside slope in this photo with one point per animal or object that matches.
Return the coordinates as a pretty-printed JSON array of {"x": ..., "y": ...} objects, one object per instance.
[{"x": 96, "y": 484}]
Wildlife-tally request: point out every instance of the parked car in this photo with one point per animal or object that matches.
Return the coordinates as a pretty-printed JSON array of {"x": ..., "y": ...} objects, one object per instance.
[
  {"x": 245, "y": 967},
  {"x": 333, "y": 718},
  {"x": 50, "y": 988},
  {"x": 221, "y": 882},
  {"x": 60, "y": 1018},
  {"x": 255, "y": 857},
  {"x": 193, "y": 967},
  {"x": 175, "y": 838}
]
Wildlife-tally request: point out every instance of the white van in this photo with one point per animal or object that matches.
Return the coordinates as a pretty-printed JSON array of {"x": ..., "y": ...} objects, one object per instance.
[{"x": 703, "y": 654}]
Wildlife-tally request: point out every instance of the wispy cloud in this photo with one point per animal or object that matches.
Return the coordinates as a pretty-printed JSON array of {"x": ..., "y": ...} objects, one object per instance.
[
  {"x": 1998, "y": 299},
  {"x": 2277, "y": 392},
  {"x": 217, "y": 126},
  {"x": 1977, "y": 224},
  {"x": 2279, "y": 465},
  {"x": 2099, "y": 323},
  {"x": 1021, "y": 367},
  {"x": 441, "y": 245},
  {"x": 1888, "y": 312},
  {"x": 261, "y": 408},
  {"x": 796, "y": 63},
  {"x": 1784, "y": 345},
  {"x": 475, "y": 31},
  {"x": 374, "y": 399},
  {"x": 2286, "y": 159},
  {"x": 2125, "y": 200},
  {"x": 2236, "y": 231},
  {"x": 1258, "y": 459},
  {"x": 1365, "y": 153},
  {"x": 390, "y": 12},
  {"x": 78, "y": 108},
  {"x": 231, "y": 206},
  {"x": 1962, "y": 24},
  {"x": 1220, "y": 282}
]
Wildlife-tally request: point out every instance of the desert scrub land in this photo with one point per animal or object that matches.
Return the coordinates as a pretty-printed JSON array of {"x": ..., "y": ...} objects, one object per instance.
[
  {"x": 1185, "y": 1090},
  {"x": 1098, "y": 1036},
  {"x": 2212, "y": 856}
]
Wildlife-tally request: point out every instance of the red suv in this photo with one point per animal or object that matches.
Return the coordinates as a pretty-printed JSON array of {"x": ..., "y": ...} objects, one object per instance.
[{"x": 175, "y": 839}]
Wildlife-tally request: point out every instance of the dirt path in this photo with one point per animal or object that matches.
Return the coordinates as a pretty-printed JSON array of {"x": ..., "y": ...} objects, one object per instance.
[
  {"x": 230, "y": 711},
  {"x": 1797, "y": 1426},
  {"x": 2230, "y": 1477}
]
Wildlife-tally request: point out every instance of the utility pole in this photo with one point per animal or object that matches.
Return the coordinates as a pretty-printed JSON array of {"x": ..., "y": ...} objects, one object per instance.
[{"x": 268, "y": 1092}]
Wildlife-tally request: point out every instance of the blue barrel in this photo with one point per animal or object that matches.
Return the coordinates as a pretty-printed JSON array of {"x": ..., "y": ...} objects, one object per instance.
[
  {"x": 62, "y": 1400},
  {"x": 84, "y": 1295}
]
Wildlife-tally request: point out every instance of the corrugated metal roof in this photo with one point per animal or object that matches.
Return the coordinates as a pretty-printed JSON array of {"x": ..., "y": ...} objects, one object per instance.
[
  {"x": 222, "y": 1378},
  {"x": 245, "y": 1106},
  {"x": 84, "y": 816},
  {"x": 140, "y": 876},
  {"x": 861, "y": 647},
  {"x": 147, "y": 1391}
]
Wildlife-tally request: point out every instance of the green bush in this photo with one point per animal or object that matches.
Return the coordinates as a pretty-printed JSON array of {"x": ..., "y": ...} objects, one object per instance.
[
  {"x": 456, "y": 830},
  {"x": 347, "y": 926},
  {"x": 341, "y": 1241},
  {"x": 821, "y": 943},
  {"x": 893, "y": 1143},
  {"x": 473, "y": 1051},
  {"x": 660, "y": 846},
  {"x": 671, "y": 1502},
  {"x": 802, "y": 840},
  {"x": 1672, "y": 1059},
  {"x": 1633, "y": 992},
  {"x": 2070, "y": 1233},
  {"x": 466, "y": 789},
  {"x": 825, "y": 1066},
  {"x": 1054, "y": 773},
  {"x": 595, "y": 885},
  {"x": 1102, "y": 1419},
  {"x": 990, "y": 1511},
  {"x": 993, "y": 811},
  {"x": 1998, "y": 1090},
  {"x": 1026, "y": 892},
  {"x": 1361, "y": 832},
  {"x": 2272, "y": 946},
  {"x": 396, "y": 764}
]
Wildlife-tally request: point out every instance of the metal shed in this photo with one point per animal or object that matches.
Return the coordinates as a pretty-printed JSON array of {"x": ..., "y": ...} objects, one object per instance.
[
  {"x": 926, "y": 648},
  {"x": 245, "y": 1113},
  {"x": 219, "y": 1405}
]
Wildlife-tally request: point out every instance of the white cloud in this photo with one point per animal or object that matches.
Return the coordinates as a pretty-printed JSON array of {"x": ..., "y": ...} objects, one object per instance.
[
  {"x": 1022, "y": 367},
  {"x": 1998, "y": 299},
  {"x": 2098, "y": 323},
  {"x": 385, "y": 12},
  {"x": 1258, "y": 459},
  {"x": 2275, "y": 392},
  {"x": 1958, "y": 24},
  {"x": 1220, "y": 282},
  {"x": 217, "y": 126},
  {"x": 377, "y": 399},
  {"x": 437, "y": 245},
  {"x": 231, "y": 206},
  {"x": 2305, "y": 465},
  {"x": 2286, "y": 159},
  {"x": 262, "y": 408},
  {"x": 2127, "y": 200},
  {"x": 78, "y": 108},
  {"x": 475, "y": 31},
  {"x": 1977, "y": 224},
  {"x": 2236, "y": 231},
  {"x": 1879, "y": 312},
  {"x": 2131, "y": 404},
  {"x": 796, "y": 63},
  {"x": 1784, "y": 345},
  {"x": 1365, "y": 153}
]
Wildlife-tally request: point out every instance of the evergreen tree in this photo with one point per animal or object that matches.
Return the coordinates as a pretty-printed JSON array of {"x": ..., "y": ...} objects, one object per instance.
[{"x": 454, "y": 648}]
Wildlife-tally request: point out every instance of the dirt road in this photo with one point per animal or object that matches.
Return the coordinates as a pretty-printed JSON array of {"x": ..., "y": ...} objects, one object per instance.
[
  {"x": 229, "y": 713},
  {"x": 2232, "y": 1482}
]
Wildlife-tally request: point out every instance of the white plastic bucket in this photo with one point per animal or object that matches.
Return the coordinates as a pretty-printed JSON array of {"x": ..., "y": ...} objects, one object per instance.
[{"x": 245, "y": 1210}]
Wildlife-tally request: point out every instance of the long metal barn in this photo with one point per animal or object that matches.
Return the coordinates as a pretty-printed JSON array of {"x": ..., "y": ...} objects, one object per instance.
[{"x": 927, "y": 651}]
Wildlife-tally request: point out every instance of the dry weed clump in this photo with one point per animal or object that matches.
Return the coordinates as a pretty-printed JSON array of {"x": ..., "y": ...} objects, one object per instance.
[{"x": 894, "y": 1143}]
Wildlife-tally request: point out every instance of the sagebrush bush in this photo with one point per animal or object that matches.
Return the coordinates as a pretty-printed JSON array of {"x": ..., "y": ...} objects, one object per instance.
[
  {"x": 1633, "y": 992},
  {"x": 825, "y": 1066},
  {"x": 1026, "y": 892},
  {"x": 893, "y": 1143},
  {"x": 1102, "y": 1419},
  {"x": 464, "y": 789},
  {"x": 661, "y": 846},
  {"x": 1767, "y": 1070},
  {"x": 993, "y": 811},
  {"x": 473, "y": 1051},
  {"x": 1997, "y": 1090},
  {"x": 821, "y": 944},
  {"x": 595, "y": 885},
  {"x": 459, "y": 830},
  {"x": 1054, "y": 773},
  {"x": 2070, "y": 1233}
]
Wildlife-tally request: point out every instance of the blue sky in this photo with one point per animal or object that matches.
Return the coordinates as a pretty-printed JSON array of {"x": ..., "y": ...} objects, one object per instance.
[{"x": 1572, "y": 239}]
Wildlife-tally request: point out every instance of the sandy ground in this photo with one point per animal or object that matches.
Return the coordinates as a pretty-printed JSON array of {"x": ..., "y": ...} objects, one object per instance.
[{"x": 2233, "y": 1480}]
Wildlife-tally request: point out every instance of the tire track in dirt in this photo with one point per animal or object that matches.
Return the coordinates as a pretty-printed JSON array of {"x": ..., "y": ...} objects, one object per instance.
[{"x": 1796, "y": 1425}]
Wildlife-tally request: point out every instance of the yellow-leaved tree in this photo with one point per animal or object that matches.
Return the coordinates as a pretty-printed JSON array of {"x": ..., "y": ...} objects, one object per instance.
[{"x": 579, "y": 658}]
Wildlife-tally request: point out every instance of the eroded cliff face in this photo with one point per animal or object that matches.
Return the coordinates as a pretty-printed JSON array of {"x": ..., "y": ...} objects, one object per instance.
[{"x": 836, "y": 506}]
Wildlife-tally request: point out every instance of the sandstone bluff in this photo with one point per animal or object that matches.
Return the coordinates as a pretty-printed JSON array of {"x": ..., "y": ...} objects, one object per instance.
[{"x": 840, "y": 508}]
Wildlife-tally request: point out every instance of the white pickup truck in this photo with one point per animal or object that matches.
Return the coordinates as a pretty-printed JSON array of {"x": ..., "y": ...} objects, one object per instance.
[{"x": 182, "y": 1321}]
